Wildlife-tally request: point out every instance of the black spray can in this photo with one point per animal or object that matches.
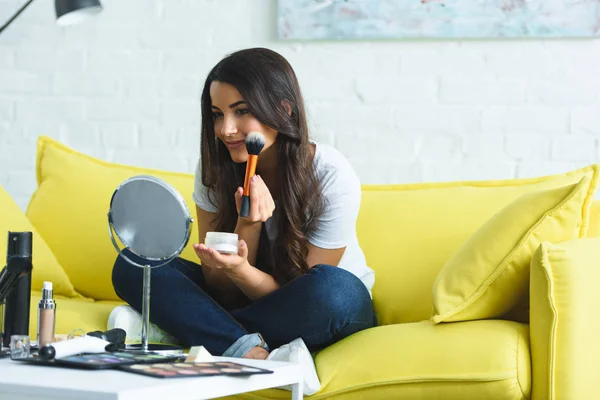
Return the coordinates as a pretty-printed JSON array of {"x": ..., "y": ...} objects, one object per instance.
[{"x": 15, "y": 280}]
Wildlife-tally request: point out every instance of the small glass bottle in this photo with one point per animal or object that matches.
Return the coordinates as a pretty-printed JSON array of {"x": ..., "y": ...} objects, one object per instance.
[{"x": 46, "y": 316}]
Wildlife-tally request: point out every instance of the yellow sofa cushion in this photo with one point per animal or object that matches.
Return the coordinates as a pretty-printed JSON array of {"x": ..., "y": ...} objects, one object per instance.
[
  {"x": 594, "y": 228},
  {"x": 70, "y": 206},
  {"x": 409, "y": 231},
  {"x": 564, "y": 319},
  {"x": 489, "y": 275},
  {"x": 467, "y": 360},
  {"x": 45, "y": 265}
]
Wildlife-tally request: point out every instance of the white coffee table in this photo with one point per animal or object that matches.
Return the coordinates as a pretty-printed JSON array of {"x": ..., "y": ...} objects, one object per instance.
[{"x": 20, "y": 381}]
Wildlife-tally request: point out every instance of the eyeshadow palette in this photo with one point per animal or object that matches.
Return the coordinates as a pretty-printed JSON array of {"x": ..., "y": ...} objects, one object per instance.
[
  {"x": 187, "y": 370},
  {"x": 104, "y": 360},
  {"x": 111, "y": 360}
]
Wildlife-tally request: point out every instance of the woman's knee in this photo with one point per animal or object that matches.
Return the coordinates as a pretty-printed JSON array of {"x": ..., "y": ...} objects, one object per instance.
[
  {"x": 125, "y": 276},
  {"x": 342, "y": 293}
]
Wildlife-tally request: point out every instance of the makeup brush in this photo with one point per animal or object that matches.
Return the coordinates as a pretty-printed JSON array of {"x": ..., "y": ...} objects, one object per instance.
[{"x": 255, "y": 141}]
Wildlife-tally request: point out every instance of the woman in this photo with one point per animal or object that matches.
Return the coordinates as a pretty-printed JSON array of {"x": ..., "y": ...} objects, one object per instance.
[{"x": 300, "y": 279}]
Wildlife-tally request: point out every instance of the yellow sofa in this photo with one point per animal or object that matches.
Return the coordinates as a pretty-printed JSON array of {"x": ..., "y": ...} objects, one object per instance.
[{"x": 408, "y": 232}]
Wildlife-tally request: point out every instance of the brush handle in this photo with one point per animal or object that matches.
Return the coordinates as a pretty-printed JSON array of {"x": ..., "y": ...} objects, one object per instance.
[
  {"x": 70, "y": 347},
  {"x": 245, "y": 208}
]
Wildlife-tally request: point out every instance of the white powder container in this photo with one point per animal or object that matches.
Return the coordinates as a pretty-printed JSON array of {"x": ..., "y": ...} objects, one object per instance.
[{"x": 222, "y": 242}]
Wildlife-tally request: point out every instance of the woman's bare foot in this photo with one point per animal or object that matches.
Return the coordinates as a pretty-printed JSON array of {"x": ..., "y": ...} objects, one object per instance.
[{"x": 257, "y": 353}]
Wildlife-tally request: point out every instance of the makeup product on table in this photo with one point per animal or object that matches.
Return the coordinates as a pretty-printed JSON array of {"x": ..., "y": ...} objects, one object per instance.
[
  {"x": 78, "y": 345},
  {"x": 15, "y": 285},
  {"x": 103, "y": 360},
  {"x": 189, "y": 370},
  {"x": 116, "y": 336},
  {"x": 255, "y": 141},
  {"x": 20, "y": 346},
  {"x": 222, "y": 242},
  {"x": 112, "y": 360},
  {"x": 198, "y": 354},
  {"x": 46, "y": 316}
]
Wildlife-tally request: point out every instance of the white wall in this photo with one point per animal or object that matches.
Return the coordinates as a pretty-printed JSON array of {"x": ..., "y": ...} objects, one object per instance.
[{"x": 125, "y": 87}]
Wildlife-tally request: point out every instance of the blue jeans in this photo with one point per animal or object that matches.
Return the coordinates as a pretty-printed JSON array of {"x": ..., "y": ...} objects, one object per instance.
[{"x": 322, "y": 307}]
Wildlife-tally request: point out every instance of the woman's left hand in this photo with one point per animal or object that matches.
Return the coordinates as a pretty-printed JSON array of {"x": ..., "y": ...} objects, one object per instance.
[{"x": 227, "y": 262}]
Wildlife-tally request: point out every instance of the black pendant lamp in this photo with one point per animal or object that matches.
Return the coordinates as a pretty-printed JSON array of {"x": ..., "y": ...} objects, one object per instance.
[{"x": 68, "y": 12}]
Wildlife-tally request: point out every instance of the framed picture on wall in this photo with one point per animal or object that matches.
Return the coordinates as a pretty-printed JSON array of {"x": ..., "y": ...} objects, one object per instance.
[{"x": 449, "y": 19}]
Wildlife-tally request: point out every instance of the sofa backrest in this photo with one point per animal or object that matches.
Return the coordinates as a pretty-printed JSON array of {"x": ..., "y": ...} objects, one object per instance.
[
  {"x": 594, "y": 227},
  {"x": 406, "y": 231},
  {"x": 408, "y": 234}
]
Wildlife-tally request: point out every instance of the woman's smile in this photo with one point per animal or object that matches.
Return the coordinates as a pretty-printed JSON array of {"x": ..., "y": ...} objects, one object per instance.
[{"x": 234, "y": 144}]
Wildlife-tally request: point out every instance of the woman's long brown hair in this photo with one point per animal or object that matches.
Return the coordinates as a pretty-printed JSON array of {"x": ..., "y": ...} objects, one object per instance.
[{"x": 268, "y": 84}]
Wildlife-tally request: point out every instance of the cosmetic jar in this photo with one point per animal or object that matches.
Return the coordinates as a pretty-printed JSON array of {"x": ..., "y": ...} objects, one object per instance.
[
  {"x": 222, "y": 242},
  {"x": 19, "y": 346}
]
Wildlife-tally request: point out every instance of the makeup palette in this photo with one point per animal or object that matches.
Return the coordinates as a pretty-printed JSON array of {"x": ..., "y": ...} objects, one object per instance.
[
  {"x": 188, "y": 370},
  {"x": 111, "y": 360},
  {"x": 105, "y": 360}
]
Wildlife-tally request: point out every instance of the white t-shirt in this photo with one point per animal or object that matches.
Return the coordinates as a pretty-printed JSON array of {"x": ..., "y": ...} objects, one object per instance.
[{"x": 337, "y": 225}]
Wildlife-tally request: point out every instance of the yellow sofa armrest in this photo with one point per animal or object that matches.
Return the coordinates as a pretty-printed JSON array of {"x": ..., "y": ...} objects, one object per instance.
[{"x": 565, "y": 328}]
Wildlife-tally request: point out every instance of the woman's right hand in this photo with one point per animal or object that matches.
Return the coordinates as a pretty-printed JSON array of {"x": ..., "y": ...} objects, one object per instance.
[{"x": 261, "y": 201}]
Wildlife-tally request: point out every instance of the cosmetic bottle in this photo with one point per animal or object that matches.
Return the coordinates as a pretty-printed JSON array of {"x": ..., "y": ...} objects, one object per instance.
[{"x": 46, "y": 316}]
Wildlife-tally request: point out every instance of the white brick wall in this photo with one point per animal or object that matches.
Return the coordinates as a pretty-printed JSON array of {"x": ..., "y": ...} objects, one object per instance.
[{"x": 125, "y": 87}]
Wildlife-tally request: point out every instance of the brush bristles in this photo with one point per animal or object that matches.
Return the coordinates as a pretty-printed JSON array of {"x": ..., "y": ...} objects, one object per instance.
[{"x": 255, "y": 141}]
